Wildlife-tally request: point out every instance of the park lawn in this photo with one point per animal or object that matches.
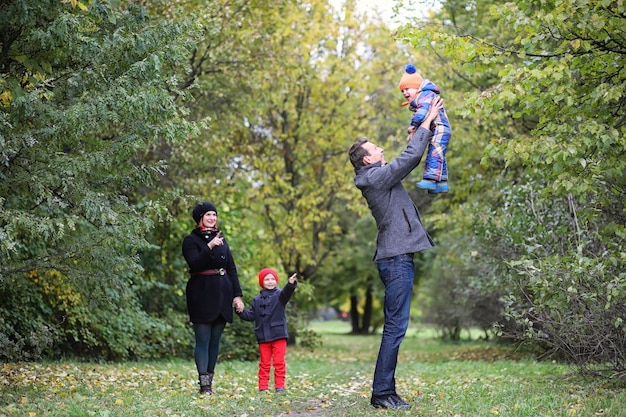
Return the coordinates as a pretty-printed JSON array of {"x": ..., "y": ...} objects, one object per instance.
[{"x": 437, "y": 379}]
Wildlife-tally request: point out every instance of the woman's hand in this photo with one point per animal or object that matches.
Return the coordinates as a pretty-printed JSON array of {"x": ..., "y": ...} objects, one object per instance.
[
  {"x": 218, "y": 240},
  {"x": 238, "y": 304}
]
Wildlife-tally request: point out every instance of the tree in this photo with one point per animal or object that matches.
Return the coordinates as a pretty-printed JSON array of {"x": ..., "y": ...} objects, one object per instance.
[
  {"x": 452, "y": 277},
  {"x": 85, "y": 92},
  {"x": 560, "y": 79},
  {"x": 338, "y": 79},
  {"x": 351, "y": 275},
  {"x": 231, "y": 46},
  {"x": 297, "y": 129},
  {"x": 281, "y": 156}
]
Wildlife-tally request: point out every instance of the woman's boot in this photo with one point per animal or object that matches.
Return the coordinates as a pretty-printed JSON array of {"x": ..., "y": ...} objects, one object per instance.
[{"x": 206, "y": 383}]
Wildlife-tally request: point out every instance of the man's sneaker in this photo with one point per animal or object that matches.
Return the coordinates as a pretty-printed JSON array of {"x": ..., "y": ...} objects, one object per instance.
[
  {"x": 388, "y": 401},
  {"x": 440, "y": 187},
  {"x": 400, "y": 403},
  {"x": 426, "y": 184}
]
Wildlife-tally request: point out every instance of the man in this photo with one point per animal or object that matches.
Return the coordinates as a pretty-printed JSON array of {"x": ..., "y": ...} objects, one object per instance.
[{"x": 400, "y": 235}]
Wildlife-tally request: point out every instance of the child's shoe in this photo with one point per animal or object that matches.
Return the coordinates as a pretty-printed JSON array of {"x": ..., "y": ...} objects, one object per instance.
[
  {"x": 279, "y": 390},
  {"x": 440, "y": 187},
  {"x": 427, "y": 184}
]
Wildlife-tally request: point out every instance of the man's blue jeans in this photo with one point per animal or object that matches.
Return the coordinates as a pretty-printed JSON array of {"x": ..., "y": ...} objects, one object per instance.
[{"x": 397, "y": 274}]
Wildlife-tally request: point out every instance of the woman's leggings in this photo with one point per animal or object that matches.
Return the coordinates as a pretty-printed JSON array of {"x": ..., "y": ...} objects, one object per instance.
[{"x": 208, "y": 337}]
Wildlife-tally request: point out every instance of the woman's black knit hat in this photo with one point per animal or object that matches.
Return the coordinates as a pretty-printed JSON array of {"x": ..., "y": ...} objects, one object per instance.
[{"x": 201, "y": 208}]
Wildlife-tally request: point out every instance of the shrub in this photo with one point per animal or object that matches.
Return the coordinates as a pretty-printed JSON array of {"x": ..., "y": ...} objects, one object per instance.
[{"x": 564, "y": 276}]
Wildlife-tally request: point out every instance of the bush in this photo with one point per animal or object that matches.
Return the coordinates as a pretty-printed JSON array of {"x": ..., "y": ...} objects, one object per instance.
[
  {"x": 462, "y": 290},
  {"x": 574, "y": 307},
  {"x": 564, "y": 276},
  {"x": 45, "y": 315},
  {"x": 239, "y": 341},
  {"x": 310, "y": 339}
]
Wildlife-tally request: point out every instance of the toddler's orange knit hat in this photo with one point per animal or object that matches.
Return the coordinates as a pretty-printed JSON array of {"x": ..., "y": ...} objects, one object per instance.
[
  {"x": 264, "y": 272},
  {"x": 410, "y": 78}
]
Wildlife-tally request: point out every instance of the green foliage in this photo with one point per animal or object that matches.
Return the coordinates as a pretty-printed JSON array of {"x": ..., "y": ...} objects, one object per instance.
[
  {"x": 350, "y": 273},
  {"x": 545, "y": 94},
  {"x": 462, "y": 290},
  {"x": 568, "y": 295},
  {"x": 63, "y": 321},
  {"x": 239, "y": 341},
  {"x": 310, "y": 339},
  {"x": 275, "y": 156},
  {"x": 96, "y": 105},
  {"x": 290, "y": 136},
  {"x": 84, "y": 93}
]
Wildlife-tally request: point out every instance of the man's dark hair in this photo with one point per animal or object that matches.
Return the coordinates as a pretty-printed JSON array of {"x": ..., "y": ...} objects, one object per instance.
[{"x": 357, "y": 152}]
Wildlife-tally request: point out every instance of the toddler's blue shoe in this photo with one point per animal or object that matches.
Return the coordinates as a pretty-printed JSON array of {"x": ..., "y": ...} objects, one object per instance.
[
  {"x": 440, "y": 187},
  {"x": 427, "y": 184}
]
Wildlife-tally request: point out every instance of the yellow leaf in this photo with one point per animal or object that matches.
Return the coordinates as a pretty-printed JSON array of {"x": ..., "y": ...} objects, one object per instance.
[
  {"x": 118, "y": 402},
  {"x": 6, "y": 97}
]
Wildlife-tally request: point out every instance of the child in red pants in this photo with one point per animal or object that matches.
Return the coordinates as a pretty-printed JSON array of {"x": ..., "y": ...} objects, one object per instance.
[{"x": 270, "y": 327}]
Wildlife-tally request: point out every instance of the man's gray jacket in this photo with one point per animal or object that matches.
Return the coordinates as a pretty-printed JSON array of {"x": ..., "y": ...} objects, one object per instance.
[{"x": 399, "y": 225}]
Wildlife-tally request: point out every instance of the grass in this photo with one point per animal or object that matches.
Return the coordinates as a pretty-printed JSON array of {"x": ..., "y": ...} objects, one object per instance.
[{"x": 437, "y": 379}]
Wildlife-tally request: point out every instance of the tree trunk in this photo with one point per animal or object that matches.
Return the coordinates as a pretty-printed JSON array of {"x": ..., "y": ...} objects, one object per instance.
[
  {"x": 361, "y": 325},
  {"x": 367, "y": 311},
  {"x": 354, "y": 313}
]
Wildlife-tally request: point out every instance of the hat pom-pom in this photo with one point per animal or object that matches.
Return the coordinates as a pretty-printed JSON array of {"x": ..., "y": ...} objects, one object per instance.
[{"x": 410, "y": 69}]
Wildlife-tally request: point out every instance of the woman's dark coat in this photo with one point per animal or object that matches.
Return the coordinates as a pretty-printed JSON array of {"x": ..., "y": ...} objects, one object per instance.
[{"x": 209, "y": 296}]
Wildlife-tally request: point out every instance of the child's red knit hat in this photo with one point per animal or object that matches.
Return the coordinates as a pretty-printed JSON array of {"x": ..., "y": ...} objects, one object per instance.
[
  {"x": 264, "y": 272},
  {"x": 410, "y": 78}
]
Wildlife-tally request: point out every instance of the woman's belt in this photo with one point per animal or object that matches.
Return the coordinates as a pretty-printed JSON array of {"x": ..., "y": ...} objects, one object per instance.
[{"x": 220, "y": 271}]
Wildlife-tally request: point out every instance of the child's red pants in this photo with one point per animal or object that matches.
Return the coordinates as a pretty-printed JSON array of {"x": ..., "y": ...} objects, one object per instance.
[{"x": 272, "y": 353}]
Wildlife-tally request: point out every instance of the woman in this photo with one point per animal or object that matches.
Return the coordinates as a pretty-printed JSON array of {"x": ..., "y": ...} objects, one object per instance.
[{"x": 212, "y": 290}]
